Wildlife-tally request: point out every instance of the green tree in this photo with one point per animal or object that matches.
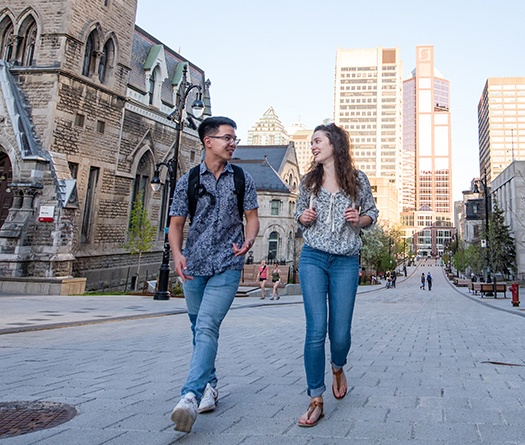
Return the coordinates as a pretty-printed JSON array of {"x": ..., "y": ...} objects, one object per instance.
[
  {"x": 372, "y": 248},
  {"x": 474, "y": 258},
  {"x": 397, "y": 246},
  {"x": 378, "y": 252},
  {"x": 446, "y": 258},
  {"x": 460, "y": 258},
  {"x": 501, "y": 246},
  {"x": 141, "y": 232}
]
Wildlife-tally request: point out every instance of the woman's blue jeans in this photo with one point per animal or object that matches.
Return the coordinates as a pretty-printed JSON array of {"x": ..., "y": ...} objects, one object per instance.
[
  {"x": 208, "y": 299},
  {"x": 329, "y": 285}
]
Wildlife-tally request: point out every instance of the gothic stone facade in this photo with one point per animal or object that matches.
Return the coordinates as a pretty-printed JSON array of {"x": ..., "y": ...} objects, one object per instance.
[{"x": 83, "y": 104}]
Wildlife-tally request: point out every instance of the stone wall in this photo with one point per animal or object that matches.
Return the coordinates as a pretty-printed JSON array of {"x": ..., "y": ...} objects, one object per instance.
[{"x": 87, "y": 124}]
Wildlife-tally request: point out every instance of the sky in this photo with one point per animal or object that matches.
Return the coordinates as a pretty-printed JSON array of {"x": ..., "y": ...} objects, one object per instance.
[{"x": 281, "y": 53}]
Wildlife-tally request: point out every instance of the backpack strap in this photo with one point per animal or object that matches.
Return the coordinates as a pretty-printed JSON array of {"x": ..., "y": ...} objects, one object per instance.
[
  {"x": 193, "y": 186},
  {"x": 194, "y": 183},
  {"x": 239, "y": 184}
]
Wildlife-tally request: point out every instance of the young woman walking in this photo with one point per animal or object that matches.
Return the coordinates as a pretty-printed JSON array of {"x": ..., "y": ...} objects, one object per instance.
[{"x": 335, "y": 202}]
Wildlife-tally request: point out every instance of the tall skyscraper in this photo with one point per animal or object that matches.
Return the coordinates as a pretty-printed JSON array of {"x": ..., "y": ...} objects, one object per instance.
[
  {"x": 268, "y": 130},
  {"x": 368, "y": 104},
  {"x": 501, "y": 122},
  {"x": 427, "y": 161},
  {"x": 302, "y": 141}
]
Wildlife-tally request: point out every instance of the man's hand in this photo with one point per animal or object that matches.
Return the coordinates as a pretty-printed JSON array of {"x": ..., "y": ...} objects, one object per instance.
[
  {"x": 252, "y": 229},
  {"x": 179, "y": 261},
  {"x": 175, "y": 238},
  {"x": 242, "y": 250}
]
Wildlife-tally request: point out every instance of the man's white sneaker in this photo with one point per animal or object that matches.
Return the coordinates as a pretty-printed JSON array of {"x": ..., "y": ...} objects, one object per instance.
[
  {"x": 185, "y": 413},
  {"x": 209, "y": 399}
]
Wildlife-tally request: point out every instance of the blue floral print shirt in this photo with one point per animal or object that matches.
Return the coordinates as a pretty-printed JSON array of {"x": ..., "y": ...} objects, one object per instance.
[
  {"x": 216, "y": 224},
  {"x": 330, "y": 232}
]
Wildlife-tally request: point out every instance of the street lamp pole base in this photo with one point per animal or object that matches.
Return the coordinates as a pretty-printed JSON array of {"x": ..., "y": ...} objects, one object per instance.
[
  {"x": 162, "y": 292},
  {"x": 161, "y": 295}
]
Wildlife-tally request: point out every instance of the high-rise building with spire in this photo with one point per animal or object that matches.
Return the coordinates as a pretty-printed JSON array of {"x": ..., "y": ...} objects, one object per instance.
[
  {"x": 427, "y": 160},
  {"x": 268, "y": 130}
]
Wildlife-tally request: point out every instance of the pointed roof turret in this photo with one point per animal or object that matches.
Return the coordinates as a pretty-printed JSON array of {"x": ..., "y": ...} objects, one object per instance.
[{"x": 268, "y": 130}]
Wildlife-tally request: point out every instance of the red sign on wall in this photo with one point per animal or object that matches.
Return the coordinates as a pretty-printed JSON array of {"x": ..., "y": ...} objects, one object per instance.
[{"x": 46, "y": 214}]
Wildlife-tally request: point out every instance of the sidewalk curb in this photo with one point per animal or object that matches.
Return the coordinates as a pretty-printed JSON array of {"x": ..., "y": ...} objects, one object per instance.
[{"x": 485, "y": 303}]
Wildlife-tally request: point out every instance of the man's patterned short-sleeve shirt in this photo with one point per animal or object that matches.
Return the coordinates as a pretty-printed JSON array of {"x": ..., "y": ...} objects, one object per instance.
[{"x": 216, "y": 224}]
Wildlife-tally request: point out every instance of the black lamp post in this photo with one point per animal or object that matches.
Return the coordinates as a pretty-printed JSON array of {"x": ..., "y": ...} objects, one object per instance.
[
  {"x": 483, "y": 182},
  {"x": 177, "y": 117}
]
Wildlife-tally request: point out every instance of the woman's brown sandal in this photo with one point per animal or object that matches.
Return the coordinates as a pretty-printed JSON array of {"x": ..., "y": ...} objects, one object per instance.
[
  {"x": 337, "y": 380},
  {"x": 311, "y": 408}
]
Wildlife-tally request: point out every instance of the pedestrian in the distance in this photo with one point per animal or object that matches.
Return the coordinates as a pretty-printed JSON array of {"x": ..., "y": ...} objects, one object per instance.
[
  {"x": 276, "y": 280},
  {"x": 394, "y": 278},
  {"x": 262, "y": 276},
  {"x": 422, "y": 281},
  {"x": 429, "y": 281},
  {"x": 335, "y": 202},
  {"x": 211, "y": 263}
]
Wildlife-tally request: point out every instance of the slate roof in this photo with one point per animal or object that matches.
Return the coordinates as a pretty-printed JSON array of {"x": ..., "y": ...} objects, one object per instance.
[
  {"x": 142, "y": 46},
  {"x": 274, "y": 153},
  {"x": 263, "y": 164}
]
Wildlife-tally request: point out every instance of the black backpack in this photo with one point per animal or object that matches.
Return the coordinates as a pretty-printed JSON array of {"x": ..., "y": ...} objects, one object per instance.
[{"x": 194, "y": 184}]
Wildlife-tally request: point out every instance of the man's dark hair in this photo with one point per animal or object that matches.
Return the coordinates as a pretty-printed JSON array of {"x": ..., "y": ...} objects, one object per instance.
[{"x": 211, "y": 125}]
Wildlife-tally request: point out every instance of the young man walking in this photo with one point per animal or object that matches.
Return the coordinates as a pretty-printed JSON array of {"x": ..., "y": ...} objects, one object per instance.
[
  {"x": 429, "y": 281},
  {"x": 211, "y": 263}
]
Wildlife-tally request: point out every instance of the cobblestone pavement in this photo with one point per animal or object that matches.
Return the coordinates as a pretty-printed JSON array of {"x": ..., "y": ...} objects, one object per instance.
[{"x": 426, "y": 368}]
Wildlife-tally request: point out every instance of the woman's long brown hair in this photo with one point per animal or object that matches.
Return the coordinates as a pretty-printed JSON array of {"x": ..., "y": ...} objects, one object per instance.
[{"x": 345, "y": 171}]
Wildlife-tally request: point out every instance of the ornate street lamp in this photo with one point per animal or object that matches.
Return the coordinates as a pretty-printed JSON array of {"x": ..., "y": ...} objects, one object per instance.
[
  {"x": 485, "y": 243},
  {"x": 177, "y": 116}
]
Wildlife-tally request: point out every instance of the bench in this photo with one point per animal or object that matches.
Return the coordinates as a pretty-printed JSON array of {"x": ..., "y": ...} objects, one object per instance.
[
  {"x": 459, "y": 282},
  {"x": 367, "y": 278},
  {"x": 486, "y": 288},
  {"x": 249, "y": 275}
]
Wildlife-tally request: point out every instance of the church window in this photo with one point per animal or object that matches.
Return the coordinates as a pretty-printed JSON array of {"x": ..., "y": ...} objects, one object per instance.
[
  {"x": 106, "y": 61},
  {"x": 89, "y": 211},
  {"x": 275, "y": 205},
  {"x": 28, "y": 44},
  {"x": 90, "y": 55},
  {"x": 7, "y": 42},
  {"x": 151, "y": 85},
  {"x": 101, "y": 126},
  {"x": 273, "y": 245},
  {"x": 142, "y": 180},
  {"x": 79, "y": 120}
]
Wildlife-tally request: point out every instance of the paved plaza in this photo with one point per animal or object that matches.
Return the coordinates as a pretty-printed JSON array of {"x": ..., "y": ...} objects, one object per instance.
[{"x": 425, "y": 368}]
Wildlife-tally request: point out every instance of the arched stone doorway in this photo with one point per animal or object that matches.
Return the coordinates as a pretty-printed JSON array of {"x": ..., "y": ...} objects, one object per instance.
[
  {"x": 273, "y": 246},
  {"x": 6, "y": 196}
]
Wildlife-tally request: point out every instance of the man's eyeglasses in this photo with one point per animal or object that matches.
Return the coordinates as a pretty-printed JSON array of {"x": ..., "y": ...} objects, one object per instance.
[{"x": 229, "y": 139}]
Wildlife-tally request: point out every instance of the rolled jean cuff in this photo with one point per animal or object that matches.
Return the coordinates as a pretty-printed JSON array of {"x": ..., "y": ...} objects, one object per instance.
[
  {"x": 336, "y": 367},
  {"x": 317, "y": 392}
]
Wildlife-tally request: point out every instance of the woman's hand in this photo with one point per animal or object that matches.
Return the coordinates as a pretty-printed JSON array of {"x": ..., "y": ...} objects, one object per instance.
[
  {"x": 352, "y": 216},
  {"x": 308, "y": 217}
]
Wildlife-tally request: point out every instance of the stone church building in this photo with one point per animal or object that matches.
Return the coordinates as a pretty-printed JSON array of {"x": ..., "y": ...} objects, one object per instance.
[
  {"x": 84, "y": 100},
  {"x": 275, "y": 171}
]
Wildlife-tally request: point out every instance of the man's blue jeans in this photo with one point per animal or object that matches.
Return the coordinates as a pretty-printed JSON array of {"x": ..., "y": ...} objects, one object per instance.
[
  {"x": 208, "y": 299},
  {"x": 329, "y": 285}
]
